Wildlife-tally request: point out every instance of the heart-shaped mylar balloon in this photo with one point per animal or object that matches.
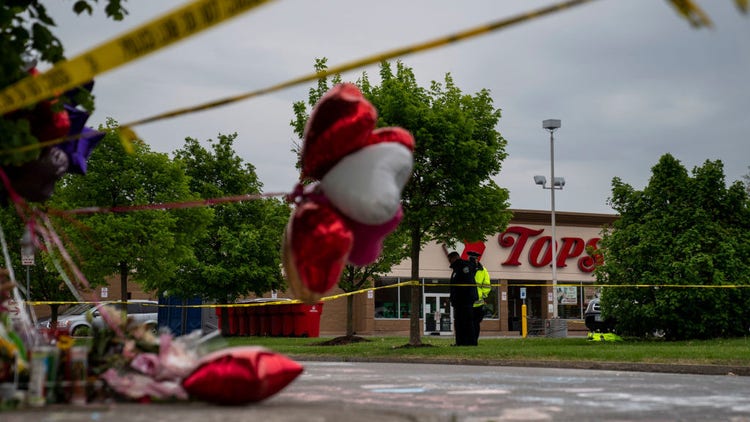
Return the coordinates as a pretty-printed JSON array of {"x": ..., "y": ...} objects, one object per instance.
[
  {"x": 340, "y": 123},
  {"x": 315, "y": 247},
  {"x": 366, "y": 185},
  {"x": 346, "y": 216}
]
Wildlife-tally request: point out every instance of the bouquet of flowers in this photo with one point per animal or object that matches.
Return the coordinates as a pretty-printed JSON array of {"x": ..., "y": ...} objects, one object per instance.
[{"x": 137, "y": 364}]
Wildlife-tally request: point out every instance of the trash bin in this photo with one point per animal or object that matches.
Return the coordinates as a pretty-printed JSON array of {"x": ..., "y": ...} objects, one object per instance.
[
  {"x": 287, "y": 320},
  {"x": 261, "y": 319},
  {"x": 253, "y": 320},
  {"x": 264, "y": 327},
  {"x": 232, "y": 317},
  {"x": 277, "y": 322},
  {"x": 231, "y": 323},
  {"x": 242, "y": 328},
  {"x": 180, "y": 315},
  {"x": 307, "y": 319},
  {"x": 218, "y": 317}
]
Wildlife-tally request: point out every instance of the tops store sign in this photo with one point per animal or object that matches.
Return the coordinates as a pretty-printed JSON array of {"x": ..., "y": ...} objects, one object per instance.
[{"x": 540, "y": 252}]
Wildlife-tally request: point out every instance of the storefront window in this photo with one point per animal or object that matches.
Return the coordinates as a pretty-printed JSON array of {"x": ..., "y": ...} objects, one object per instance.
[
  {"x": 392, "y": 302},
  {"x": 387, "y": 304},
  {"x": 572, "y": 300},
  {"x": 490, "y": 305},
  {"x": 405, "y": 305}
]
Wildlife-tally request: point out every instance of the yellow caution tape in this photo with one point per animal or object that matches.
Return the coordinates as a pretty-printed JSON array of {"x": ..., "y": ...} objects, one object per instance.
[
  {"x": 373, "y": 59},
  {"x": 230, "y": 305},
  {"x": 405, "y": 283},
  {"x": 145, "y": 39}
]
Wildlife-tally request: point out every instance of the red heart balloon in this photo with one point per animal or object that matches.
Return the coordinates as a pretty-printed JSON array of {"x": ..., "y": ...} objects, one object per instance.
[
  {"x": 340, "y": 123},
  {"x": 316, "y": 246},
  {"x": 392, "y": 134}
]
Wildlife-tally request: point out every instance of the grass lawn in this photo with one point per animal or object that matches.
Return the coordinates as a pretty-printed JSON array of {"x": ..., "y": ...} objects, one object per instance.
[{"x": 735, "y": 352}]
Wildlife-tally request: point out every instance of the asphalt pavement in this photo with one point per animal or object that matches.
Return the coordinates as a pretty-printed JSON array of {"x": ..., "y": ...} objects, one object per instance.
[{"x": 384, "y": 392}]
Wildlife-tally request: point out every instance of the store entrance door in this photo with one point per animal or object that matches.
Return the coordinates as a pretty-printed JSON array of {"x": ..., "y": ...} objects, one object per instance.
[
  {"x": 533, "y": 303},
  {"x": 438, "y": 314}
]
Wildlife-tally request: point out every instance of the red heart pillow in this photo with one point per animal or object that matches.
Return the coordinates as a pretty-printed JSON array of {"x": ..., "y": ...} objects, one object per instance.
[{"x": 240, "y": 375}]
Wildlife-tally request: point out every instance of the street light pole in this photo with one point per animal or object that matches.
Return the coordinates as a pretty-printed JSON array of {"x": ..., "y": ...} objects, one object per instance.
[
  {"x": 552, "y": 219},
  {"x": 555, "y": 183}
]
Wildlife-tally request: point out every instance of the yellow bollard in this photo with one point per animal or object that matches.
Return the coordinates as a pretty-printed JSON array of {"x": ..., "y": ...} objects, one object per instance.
[{"x": 524, "y": 329}]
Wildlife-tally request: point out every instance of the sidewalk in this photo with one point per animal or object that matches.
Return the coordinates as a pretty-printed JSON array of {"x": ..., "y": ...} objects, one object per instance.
[
  {"x": 272, "y": 410},
  {"x": 664, "y": 368}
]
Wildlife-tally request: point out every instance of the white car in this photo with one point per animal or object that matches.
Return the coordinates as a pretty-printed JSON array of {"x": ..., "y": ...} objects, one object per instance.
[{"x": 75, "y": 321}]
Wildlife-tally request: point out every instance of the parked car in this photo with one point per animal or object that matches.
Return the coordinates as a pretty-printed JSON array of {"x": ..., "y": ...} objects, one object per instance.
[
  {"x": 140, "y": 312},
  {"x": 75, "y": 321},
  {"x": 71, "y": 321},
  {"x": 594, "y": 320}
]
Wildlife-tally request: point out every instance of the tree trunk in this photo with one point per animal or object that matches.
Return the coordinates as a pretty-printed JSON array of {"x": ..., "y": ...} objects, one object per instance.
[
  {"x": 349, "y": 316},
  {"x": 414, "y": 336},
  {"x": 124, "y": 285},
  {"x": 53, "y": 315}
]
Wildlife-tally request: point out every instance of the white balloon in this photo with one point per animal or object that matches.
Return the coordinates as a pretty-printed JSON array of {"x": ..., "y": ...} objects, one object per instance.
[{"x": 366, "y": 185}]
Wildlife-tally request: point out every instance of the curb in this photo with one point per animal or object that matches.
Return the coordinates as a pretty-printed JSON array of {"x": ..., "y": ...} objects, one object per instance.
[{"x": 727, "y": 370}]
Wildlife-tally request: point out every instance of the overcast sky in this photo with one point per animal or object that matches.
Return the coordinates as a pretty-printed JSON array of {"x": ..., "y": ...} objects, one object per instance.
[{"x": 630, "y": 81}]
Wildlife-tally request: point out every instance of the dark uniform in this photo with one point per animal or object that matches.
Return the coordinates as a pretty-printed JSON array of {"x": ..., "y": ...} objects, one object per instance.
[{"x": 463, "y": 294}]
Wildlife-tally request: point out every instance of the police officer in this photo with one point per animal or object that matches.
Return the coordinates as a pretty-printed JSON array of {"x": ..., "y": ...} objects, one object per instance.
[
  {"x": 482, "y": 279},
  {"x": 463, "y": 294}
]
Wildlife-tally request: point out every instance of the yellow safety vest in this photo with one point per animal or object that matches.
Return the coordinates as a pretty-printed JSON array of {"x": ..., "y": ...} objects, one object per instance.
[
  {"x": 482, "y": 279},
  {"x": 604, "y": 337}
]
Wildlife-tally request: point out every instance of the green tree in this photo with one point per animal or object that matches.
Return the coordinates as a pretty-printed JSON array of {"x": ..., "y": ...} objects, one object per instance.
[
  {"x": 451, "y": 194},
  {"x": 42, "y": 278},
  {"x": 239, "y": 254},
  {"x": 26, "y": 37},
  {"x": 148, "y": 245},
  {"x": 685, "y": 231}
]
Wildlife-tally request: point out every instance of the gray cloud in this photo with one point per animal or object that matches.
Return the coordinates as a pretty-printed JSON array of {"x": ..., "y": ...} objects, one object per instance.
[{"x": 630, "y": 81}]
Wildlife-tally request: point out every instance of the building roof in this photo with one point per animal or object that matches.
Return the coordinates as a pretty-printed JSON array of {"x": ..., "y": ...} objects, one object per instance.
[{"x": 563, "y": 218}]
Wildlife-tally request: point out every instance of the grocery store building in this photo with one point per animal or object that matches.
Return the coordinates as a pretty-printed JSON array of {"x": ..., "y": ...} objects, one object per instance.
[{"x": 519, "y": 263}]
